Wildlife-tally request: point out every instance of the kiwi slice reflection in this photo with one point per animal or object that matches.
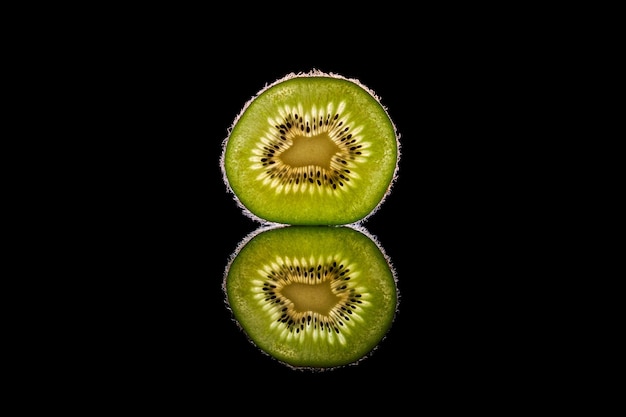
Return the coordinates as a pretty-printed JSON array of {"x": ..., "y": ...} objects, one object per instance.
[{"x": 312, "y": 297}]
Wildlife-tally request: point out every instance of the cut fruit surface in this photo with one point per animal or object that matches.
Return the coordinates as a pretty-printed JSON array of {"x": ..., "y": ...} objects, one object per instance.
[{"x": 311, "y": 149}]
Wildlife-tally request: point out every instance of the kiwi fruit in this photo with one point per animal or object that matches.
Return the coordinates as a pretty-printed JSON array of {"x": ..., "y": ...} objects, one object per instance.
[
  {"x": 311, "y": 148},
  {"x": 312, "y": 297}
]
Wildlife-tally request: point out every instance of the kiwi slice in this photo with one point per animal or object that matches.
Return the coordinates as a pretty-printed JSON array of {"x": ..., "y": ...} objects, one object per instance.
[
  {"x": 312, "y": 297},
  {"x": 311, "y": 148}
]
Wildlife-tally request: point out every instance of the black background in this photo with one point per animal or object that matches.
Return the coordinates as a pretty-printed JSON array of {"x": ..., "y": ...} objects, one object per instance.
[
  {"x": 426, "y": 225},
  {"x": 445, "y": 226},
  {"x": 137, "y": 226}
]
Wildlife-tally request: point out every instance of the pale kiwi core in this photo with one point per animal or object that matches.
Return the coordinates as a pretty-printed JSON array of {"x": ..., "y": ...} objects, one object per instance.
[
  {"x": 316, "y": 150},
  {"x": 311, "y": 150},
  {"x": 317, "y": 298}
]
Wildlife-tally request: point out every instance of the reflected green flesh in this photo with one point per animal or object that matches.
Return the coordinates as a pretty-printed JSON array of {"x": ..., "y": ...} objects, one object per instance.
[{"x": 265, "y": 271}]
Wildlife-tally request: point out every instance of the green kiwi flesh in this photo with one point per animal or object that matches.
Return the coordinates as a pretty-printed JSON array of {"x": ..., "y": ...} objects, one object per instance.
[
  {"x": 312, "y": 297},
  {"x": 311, "y": 149}
]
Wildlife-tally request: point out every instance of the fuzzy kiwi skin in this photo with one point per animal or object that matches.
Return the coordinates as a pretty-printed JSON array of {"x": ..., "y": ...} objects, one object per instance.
[
  {"x": 345, "y": 183},
  {"x": 265, "y": 264}
]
